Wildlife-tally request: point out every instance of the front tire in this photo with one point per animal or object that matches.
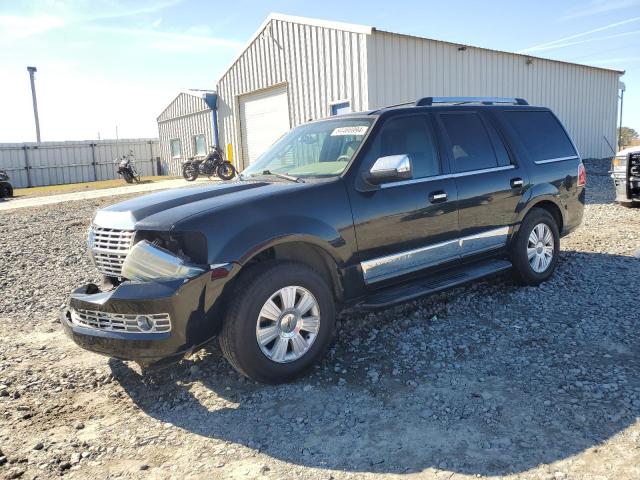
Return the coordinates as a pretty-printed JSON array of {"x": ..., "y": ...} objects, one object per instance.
[
  {"x": 535, "y": 250},
  {"x": 280, "y": 321},
  {"x": 226, "y": 171},
  {"x": 189, "y": 172}
]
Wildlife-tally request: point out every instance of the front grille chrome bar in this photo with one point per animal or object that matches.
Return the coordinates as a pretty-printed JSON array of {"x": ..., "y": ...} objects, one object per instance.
[
  {"x": 109, "y": 247},
  {"x": 118, "y": 322}
]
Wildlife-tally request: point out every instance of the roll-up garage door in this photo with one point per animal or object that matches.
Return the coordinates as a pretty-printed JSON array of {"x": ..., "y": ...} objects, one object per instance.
[{"x": 264, "y": 117}]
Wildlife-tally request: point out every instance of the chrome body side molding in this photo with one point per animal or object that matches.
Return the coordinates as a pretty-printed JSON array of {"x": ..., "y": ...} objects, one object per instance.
[
  {"x": 482, "y": 242},
  {"x": 558, "y": 159},
  {"x": 389, "y": 266},
  {"x": 445, "y": 176}
]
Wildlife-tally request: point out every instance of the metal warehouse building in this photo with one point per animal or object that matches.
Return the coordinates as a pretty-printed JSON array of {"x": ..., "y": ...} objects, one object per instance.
[
  {"x": 296, "y": 69},
  {"x": 186, "y": 129}
]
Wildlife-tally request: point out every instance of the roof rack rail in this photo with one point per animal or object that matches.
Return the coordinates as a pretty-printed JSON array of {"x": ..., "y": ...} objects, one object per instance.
[{"x": 428, "y": 101}]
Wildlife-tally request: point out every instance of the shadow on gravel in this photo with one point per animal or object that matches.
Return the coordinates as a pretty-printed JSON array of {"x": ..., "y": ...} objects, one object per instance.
[{"x": 499, "y": 380}]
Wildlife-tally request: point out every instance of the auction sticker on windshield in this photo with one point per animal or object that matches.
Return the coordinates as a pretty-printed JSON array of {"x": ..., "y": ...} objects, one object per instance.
[{"x": 352, "y": 130}]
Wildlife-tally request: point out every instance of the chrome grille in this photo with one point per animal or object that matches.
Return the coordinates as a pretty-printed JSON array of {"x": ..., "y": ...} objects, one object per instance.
[
  {"x": 117, "y": 322},
  {"x": 109, "y": 247}
]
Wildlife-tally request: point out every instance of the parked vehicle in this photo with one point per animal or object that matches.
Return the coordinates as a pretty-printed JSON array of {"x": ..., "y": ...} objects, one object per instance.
[
  {"x": 126, "y": 169},
  {"x": 212, "y": 165},
  {"x": 6, "y": 190},
  {"x": 364, "y": 210},
  {"x": 625, "y": 171}
]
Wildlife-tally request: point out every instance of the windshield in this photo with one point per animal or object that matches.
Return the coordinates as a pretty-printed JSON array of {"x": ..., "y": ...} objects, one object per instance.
[{"x": 319, "y": 149}]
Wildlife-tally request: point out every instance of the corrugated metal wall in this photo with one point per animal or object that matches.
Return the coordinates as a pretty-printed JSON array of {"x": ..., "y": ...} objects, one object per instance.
[
  {"x": 319, "y": 66},
  {"x": 186, "y": 116},
  {"x": 404, "y": 68},
  {"x": 53, "y": 163}
]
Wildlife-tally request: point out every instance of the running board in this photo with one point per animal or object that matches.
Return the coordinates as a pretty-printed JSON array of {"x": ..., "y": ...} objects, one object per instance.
[{"x": 436, "y": 283}]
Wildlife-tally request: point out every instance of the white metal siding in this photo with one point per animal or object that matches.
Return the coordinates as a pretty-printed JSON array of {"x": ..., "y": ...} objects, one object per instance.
[
  {"x": 319, "y": 65},
  {"x": 264, "y": 117},
  {"x": 402, "y": 68},
  {"x": 183, "y": 104},
  {"x": 184, "y": 129},
  {"x": 54, "y": 163},
  {"x": 187, "y": 116}
]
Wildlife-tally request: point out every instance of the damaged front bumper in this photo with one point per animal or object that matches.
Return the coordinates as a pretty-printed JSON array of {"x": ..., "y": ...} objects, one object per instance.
[{"x": 153, "y": 322}]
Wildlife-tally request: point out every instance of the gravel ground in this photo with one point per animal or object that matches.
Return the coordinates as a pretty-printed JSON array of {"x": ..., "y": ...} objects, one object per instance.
[{"x": 491, "y": 379}]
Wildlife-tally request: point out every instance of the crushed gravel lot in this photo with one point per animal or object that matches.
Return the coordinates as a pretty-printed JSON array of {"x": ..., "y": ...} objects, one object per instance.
[{"x": 491, "y": 379}]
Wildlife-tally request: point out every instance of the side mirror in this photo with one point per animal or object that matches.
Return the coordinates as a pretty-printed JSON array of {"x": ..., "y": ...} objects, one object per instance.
[{"x": 389, "y": 169}]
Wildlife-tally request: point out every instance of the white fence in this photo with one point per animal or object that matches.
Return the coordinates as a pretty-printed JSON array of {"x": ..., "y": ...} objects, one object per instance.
[{"x": 54, "y": 163}]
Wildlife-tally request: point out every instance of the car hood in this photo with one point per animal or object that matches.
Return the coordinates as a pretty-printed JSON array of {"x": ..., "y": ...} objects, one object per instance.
[
  {"x": 626, "y": 151},
  {"x": 161, "y": 210}
]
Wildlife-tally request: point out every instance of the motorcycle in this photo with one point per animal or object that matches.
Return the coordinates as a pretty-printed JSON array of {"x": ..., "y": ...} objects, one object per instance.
[
  {"x": 126, "y": 169},
  {"x": 6, "y": 190},
  {"x": 212, "y": 165}
]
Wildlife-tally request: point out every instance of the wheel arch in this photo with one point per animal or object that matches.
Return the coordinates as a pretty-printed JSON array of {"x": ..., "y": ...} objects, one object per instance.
[
  {"x": 553, "y": 208},
  {"x": 307, "y": 251},
  {"x": 548, "y": 203}
]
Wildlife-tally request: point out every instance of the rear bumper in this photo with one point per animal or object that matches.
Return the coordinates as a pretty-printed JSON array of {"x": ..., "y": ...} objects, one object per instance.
[{"x": 191, "y": 307}]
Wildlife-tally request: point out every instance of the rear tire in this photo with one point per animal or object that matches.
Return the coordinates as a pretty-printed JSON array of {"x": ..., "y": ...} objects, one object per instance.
[
  {"x": 535, "y": 250},
  {"x": 6, "y": 191},
  {"x": 127, "y": 177},
  {"x": 293, "y": 336}
]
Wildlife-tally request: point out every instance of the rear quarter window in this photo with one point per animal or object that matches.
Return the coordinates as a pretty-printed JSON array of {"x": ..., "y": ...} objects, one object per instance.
[{"x": 541, "y": 134}]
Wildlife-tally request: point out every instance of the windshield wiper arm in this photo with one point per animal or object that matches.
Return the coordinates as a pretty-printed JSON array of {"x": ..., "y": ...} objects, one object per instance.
[{"x": 284, "y": 176}]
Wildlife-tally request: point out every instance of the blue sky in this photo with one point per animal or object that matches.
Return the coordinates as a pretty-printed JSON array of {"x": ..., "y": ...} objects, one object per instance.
[{"x": 103, "y": 63}]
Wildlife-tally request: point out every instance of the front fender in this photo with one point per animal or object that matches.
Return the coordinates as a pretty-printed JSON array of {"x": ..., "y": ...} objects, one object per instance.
[
  {"x": 318, "y": 214},
  {"x": 256, "y": 237}
]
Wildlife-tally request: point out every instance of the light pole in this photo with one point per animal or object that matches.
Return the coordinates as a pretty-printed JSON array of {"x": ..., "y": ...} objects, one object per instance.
[
  {"x": 31, "y": 71},
  {"x": 622, "y": 88}
]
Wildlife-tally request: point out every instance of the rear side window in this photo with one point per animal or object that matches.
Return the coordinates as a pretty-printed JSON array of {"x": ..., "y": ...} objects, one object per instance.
[
  {"x": 409, "y": 135},
  {"x": 471, "y": 146},
  {"x": 541, "y": 134}
]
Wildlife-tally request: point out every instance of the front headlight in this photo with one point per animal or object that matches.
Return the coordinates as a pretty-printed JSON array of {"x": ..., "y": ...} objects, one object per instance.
[
  {"x": 619, "y": 163},
  {"x": 147, "y": 261}
]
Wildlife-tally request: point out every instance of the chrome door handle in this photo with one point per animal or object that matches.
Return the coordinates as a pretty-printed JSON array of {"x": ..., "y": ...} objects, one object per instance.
[
  {"x": 516, "y": 182},
  {"x": 436, "y": 197}
]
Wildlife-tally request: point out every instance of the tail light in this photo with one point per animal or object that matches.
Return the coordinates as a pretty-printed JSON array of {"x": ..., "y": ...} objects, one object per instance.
[{"x": 582, "y": 175}]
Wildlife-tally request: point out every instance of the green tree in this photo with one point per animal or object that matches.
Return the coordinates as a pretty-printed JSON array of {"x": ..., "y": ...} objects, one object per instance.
[{"x": 626, "y": 135}]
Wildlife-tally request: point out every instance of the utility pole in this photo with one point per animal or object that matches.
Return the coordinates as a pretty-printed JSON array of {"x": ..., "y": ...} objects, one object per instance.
[
  {"x": 622, "y": 88},
  {"x": 32, "y": 71}
]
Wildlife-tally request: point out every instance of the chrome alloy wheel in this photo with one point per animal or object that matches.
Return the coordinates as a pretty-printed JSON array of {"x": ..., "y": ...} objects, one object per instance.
[
  {"x": 288, "y": 324},
  {"x": 540, "y": 248}
]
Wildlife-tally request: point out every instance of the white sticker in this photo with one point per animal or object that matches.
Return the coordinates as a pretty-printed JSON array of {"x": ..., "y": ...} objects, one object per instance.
[{"x": 354, "y": 130}]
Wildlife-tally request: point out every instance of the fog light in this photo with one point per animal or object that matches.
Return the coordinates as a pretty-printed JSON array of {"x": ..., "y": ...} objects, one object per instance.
[{"x": 144, "y": 323}]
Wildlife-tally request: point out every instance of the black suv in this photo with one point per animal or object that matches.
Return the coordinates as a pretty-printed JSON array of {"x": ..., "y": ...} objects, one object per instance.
[{"x": 363, "y": 210}]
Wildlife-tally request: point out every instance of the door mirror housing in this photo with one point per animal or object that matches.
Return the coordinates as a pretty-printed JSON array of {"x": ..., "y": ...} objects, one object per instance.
[{"x": 390, "y": 169}]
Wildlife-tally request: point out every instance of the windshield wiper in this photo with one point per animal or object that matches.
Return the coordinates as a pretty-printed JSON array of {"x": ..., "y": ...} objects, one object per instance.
[{"x": 291, "y": 178}]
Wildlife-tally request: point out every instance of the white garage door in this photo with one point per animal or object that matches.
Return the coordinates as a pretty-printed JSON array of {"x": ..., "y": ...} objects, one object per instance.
[{"x": 264, "y": 117}]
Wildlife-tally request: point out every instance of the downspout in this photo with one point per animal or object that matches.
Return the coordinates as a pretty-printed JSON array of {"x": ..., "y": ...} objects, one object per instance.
[{"x": 211, "y": 99}]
